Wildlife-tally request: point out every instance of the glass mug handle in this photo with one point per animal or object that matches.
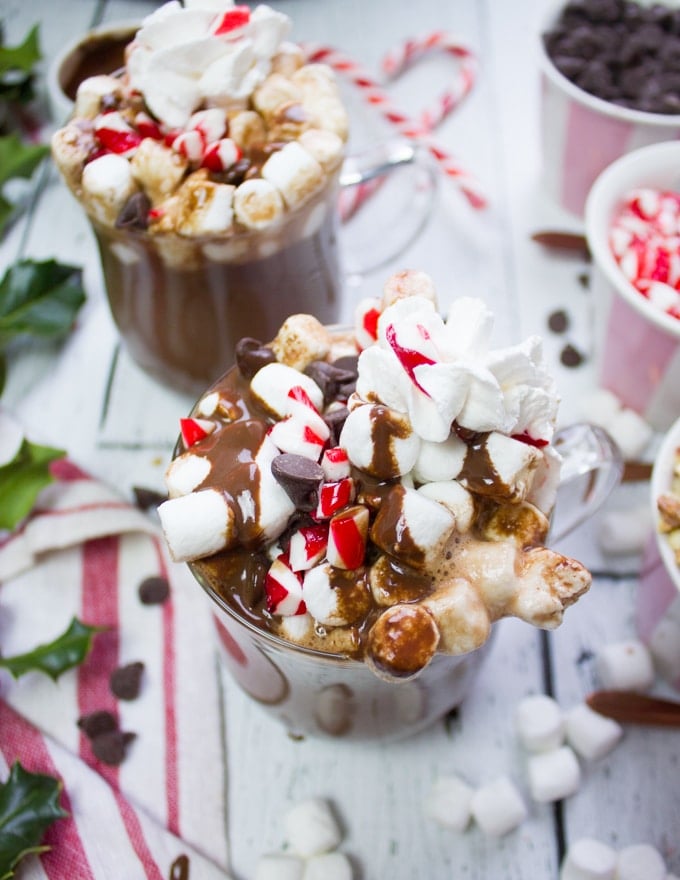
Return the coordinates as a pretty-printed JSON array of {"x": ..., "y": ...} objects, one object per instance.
[
  {"x": 592, "y": 466},
  {"x": 386, "y": 199}
]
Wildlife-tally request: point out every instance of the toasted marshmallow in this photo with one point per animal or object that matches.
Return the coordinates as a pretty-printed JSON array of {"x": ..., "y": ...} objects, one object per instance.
[
  {"x": 455, "y": 498},
  {"x": 402, "y": 641},
  {"x": 409, "y": 282},
  {"x": 205, "y": 208},
  {"x": 548, "y": 584},
  {"x": 272, "y": 383},
  {"x": 439, "y": 461},
  {"x": 107, "y": 184},
  {"x": 198, "y": 524},
  {"x": 324, "y": 146},
  {"x": 90, "y": 93},
  {"x": 461, "y": 617},
  {"x": 185, "y": 473},
  {"x": 257, "y": 204},
  {"x": 247, "y": 129},
  {"x": 71, "y": 146},
  {"x": 400, "y": 444},
  {"x": 315, "y": 79},
  {"x": 521, "y": 523},
  {"x": 158, "y": 169},
  {"x": 275, "y": 91},
  {"x": 301, "y": 340},
  {"x": 294, "y": 172}
]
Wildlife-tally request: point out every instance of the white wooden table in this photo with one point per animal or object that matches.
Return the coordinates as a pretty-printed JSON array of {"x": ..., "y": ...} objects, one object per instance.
[{"x": 87, "y": 396}]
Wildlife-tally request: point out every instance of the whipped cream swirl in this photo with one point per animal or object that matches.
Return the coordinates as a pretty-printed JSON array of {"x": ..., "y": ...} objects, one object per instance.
[
  {"x": 440, "y": 371},
  {"x": 207, "y": 52}
]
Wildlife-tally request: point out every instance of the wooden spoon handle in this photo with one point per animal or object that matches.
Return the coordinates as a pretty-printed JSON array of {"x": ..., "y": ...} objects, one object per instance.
[{"x": 635, "y": 708}]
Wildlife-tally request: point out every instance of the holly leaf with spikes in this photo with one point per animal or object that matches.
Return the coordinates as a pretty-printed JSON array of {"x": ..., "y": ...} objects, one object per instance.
[
  {"x": 54, "y": 658},
  {"x": 22, "y": 480},
  {"x": 29, "y": 804},
  {"x": 17, "y": 67},
  {"x": 17, "y": 159}
]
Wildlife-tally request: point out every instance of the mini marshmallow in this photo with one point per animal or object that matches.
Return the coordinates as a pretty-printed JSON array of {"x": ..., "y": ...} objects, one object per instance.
[
  {"x": 588, "y": 859},
  {"x": 71, "y": 147},
  {"x": 90, "y": 93},
  {"x": 315, "y": 79},
  {"x": 513, "y": 464},
  {"x": 206, "y": 208},
  {"x": 439, "y": 461},
  {"x": 590, "y": 734},
  {"x": 158, "y": 169},
  {"x": 402, "y": 444},
  {"x": 498, "y": 807},
  {"x": 624, "y": 532},
  {"x": 294, "y": 173},
  {"x": 625, "y": 666},
  {"x": 449, "y": 802},
  {"x": 539, "y": 723},
  {"x": 324, "y": 146},
  {"x": 409, "y": 282},
  {"x": 546, "y": 480},
  {"x": 288, "y": 59},
  {"x": 454, "y": 498},
  {"x": 327, "y": 112},
  {"x": 272, "y": 383},
  {"x": 185, "y": 473},
  {"x": 311, "y": 828},
  {"x": 275, "y": 506},
  {"x": 328, "y": 866},
  {"x": 275, "y": 91},
  {"x": 283, "y": 589},
  {"x": 664, "y": 645},
  {"x": 322, "y": 597},
  {"x": 257, "y": 204},
  {"x": 107, "y": 184},
  {"x": 553, "y": 775},
  {"x": 197, "y": 525},
  {"x": 279, "y": 866},
  {"x": 301, "y": 339},
  {"x": 630, "y": 431},
  {"x": 640, "y": 862},
  {"x": 247, "y": 129}
]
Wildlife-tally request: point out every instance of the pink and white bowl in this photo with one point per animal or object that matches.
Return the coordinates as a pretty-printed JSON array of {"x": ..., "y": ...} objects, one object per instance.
[{"x": 637, "y": 344}]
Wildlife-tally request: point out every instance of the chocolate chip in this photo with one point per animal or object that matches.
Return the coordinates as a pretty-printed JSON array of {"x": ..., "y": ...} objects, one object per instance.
[
  {"x": 558, "y": 321},
  {"x": 571, "y": 357},
  {"x": 153, "y": 590},
  {"x": 236, "y": 174},
  {"x": 125, "y": 681},
  {"x": 97, "y": 723},
  {"x": 147, "y": 499},
  {"x": 300, "y": 477},
  {"x": 251, "y": 356},
  {"x": 135, "y": 212},
  {"x": 331, "y": 379},
  {"x": 335, "y": 419},
  {"x": 110, "y": 747},
  {"x": 348, "y": 362}
]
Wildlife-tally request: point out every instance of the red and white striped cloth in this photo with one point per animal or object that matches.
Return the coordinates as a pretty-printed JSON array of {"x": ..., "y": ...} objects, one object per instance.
[{"x": 167, "y": 797}]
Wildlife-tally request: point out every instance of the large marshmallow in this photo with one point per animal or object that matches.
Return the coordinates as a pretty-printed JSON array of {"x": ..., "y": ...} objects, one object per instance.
[
  {"x": 449, "y": 802},
  {"x": 588, "y": 859},
  {"x": 185, "y": 473},
  {"x": 498, "y": 807},
  {"x": 439, "y": 461},
  {"x": 553, "y": 775},
  {"x": 311, "y": 828},
  {"x": 367, "y": 425},
  {"x": 272, "y": 383},
  {"x": 197, "y": 525},
  {"x": 107, "y": 184},
  {"x": 590, "y": 734},
  {"x": 295, "y": 173},
  {"x": 455, "y": 498},
  {"x": 539, "y": 723},
  {"x": 640, "y": 862},
  {"x": 625, "y": 666}
]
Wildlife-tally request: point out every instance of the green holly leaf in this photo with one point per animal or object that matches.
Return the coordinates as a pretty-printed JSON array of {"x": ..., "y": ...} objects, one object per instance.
[
  {"x": 56, "y": 657},
  {"x": 18, "y": 159},
  {"x": 39, "y": 299},
  {"x": 29, "y": 804},
  {"x": 22, "y": 479},
  {"x": 16, "y": 67}
]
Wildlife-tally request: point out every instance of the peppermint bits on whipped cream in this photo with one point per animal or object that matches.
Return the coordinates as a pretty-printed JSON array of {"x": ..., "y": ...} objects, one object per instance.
[{"x": 388, "y": 485}]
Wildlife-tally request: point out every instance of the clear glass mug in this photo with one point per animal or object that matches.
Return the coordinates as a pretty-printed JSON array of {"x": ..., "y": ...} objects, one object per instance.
[
  {"x": 319, "y": 694},
  {"x": 181, "y": 304}
]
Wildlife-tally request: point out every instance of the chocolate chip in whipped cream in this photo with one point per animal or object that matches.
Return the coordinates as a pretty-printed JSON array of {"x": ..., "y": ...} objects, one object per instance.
[
  {"x": 300, "y": 477},
  {"x": 125, "y": 682},
  {"x": 135, "y": 212},
  {"x": 251, "y": 356}
]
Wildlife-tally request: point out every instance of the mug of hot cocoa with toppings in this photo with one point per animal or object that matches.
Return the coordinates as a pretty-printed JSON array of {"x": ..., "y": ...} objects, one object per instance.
[{"x": 362, "y": 504}]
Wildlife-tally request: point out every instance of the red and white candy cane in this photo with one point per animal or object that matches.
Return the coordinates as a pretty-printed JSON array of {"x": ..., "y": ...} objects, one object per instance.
[{"x": 374, "y": 94}]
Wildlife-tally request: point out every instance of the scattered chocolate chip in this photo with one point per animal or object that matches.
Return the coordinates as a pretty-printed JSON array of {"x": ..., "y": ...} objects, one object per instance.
[
  {"x": 335, "y": 419},
  {"x": 583, "y": 279},
  {"x": 153, "y": 590},
  {"x": 147, "y": 499},
  {"x": 135, "y": 212},
  {"x": 179, "y": 870},
  {"x": 331, "y": 379},
  {"x": 97, "y": 723},
  {"x": 110, "y": 747},
  {"x": 300, "y": 477},
  {"x": 558, "y": 321},
  {"x": 125, "y": 681},
  {"x": 561, "y": 241},
  {"x": 251, "y": 356},
  {"x": 571, "y": 357}
]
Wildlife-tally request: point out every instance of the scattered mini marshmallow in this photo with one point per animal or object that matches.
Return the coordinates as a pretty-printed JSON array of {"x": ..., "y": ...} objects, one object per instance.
[
  {"x": 311, "y": 828},
  {"x": 539, "y": 722},
  {"x": 275, "y": 506},
  {"x": 498, "y": 807},
  {"x": 247, "y": 129},
  {"x": 449, "y": 802},
  {"x": 400, "y": 440},
  {"x": 107, "y": 183},
  {"x": 664, "y": 646},
  {"x": 588, "y": 859},
  {"x": 279, "y": 866},
  {"x": 275, "y": 91},
  {"x": 590, "y": 734},
  {"x": 640, "y": 862},
  {"x": 553, "y": 775},
  {"x": 599, "y": 407},
  {"x": 328, "y": 866},
  {"x": 624, "y": 532},
  {"x": 294, "y": 172},
  {"x": 625, "y": 666},
  {"x": 272, "y": 383},
  {"x": 11, "y": 437},
  {"x": 630, "y": 431},
  {"x": 197, "y": 524}
]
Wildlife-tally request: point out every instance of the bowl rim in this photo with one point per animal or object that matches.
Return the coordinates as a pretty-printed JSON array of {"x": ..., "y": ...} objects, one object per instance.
[{"x": 660, "y": 481}]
